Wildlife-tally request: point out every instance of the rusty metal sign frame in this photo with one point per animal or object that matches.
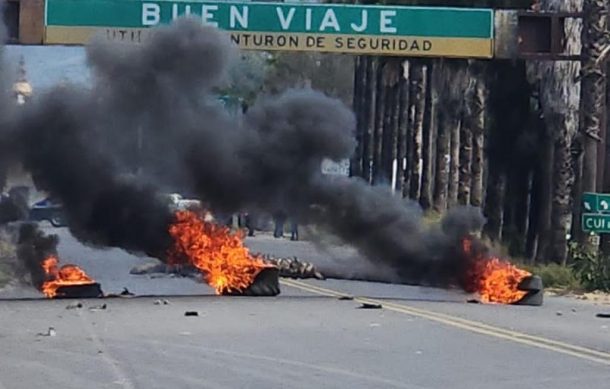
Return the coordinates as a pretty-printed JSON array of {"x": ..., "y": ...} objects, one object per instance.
[{"x": 544, "y": 30}]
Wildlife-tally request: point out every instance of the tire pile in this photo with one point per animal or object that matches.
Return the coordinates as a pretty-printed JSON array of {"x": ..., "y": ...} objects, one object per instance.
[
  {"x": 293, "y": 268},
  {"x": 287, "y": 267}
]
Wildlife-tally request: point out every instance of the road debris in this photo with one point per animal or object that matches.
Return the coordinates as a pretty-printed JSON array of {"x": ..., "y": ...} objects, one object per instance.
[
  {"x": 473, "y": 301},
  {"x": 148, "y": 268},
  {"x": 191, "y": 313},
  {"x": 603, "y": 315},
  {"x": 370, "y": 306},
  {"x": 98, "y": 307},
  {"x": 159, "y": 270},
  {"x": 346, "y": 298},
  {"x": 74, "y": 306},
  {"x": 50, "y": 332},
  {"x": 126, "y": 292},
  {"x": 161, "y": 302}
]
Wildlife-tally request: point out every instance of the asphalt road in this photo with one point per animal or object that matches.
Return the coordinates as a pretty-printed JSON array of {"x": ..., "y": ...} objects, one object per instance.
[{"x": 305, "y": 338}]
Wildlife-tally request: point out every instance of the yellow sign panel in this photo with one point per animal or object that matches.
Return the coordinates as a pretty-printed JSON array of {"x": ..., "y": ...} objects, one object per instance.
[
  {"x": 330, "y": 43},
  {"x": 364, "y": 44}
]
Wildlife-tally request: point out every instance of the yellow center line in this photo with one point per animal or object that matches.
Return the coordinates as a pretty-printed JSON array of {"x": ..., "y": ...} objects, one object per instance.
[
  {"x": 468, "y": 325},
  {"x": 469, "y": 322}
]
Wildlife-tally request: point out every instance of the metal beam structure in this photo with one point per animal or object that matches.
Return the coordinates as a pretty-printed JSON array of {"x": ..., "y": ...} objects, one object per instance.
[{"x": 519, "y": 34}]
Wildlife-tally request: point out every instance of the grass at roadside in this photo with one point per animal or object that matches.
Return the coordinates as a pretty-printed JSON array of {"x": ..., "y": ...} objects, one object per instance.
[
  {"x": 7, "y": 258},
  {"x": 431, "y": 218},
  {"x": 555, "y": 276},
  {"x": 4, "y": 275}
]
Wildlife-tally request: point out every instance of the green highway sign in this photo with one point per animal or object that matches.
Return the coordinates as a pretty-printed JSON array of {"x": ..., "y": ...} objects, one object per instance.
[
  {"x": 340, "y": 28},
  {"x": 596, "y": 223},
  {"x": 596, "y": 213},
  {"x": 595, "y": 202},
  {"x": 589, "y": 202}
]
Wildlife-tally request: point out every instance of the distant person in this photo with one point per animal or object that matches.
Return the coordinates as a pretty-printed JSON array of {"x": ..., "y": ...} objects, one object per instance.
[
  {"x": 248, "y": 223},
  {"x": 294, "y": 230},
  {"x": 279, "y": 218}
]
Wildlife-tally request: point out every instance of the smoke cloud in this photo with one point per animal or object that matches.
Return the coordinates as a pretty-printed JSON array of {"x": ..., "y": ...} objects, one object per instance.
[
  {"x": 6, "y": 111},
  {"x": 33, "y": 247},
  {"x": 150, "y": 123}
]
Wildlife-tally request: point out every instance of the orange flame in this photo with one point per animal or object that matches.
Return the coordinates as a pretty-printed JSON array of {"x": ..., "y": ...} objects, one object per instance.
[
  {"x": 494, "y": 279},
  {"x": 57, "y": 277},
  {"x": 221, "y": 255}
]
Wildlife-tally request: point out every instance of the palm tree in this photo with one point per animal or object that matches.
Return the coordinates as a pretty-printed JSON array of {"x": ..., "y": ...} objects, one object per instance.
[
  {"x": 417, "y": 106},
  {"x": 473, "y": 136},
  {"x": 452, "y": 81},
  {"x": 593, "y": 88},
  {"x": 594, "y": 41},
  {"x": 560, "y": 97}
]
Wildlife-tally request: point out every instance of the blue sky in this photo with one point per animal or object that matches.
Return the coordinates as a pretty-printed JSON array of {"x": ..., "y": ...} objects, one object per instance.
[{"x": 49, "y": 65}]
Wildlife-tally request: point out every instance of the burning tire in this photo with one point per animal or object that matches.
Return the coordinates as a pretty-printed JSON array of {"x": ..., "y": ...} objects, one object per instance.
[
  {"x": 266, "y": 283},
  {"x": 535, "y": 291},
  {"x": 92, "y": 290}
]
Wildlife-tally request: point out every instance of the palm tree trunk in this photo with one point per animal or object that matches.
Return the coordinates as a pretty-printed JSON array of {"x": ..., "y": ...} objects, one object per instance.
[
  {"x": 576, "y": 157},
  {"x": 559, "y": 99},
  {"x": 370, "y": 99},
  {"x": 478, "y": 138},
  {"x": 465, "y": 178},
  {"x": 605, "y": 153},
  {"x": 516, "y": 206},
  {"x": 442, "y": 163},
  {"x": 378, "y": 176},
  {"x": 401, "y": 148},
  {"x": 387, "y": 133},
  {"x": 563, "y": 178},
  {"x": 358, "y": 108},
  {"x": 454, "y": 160},
  {"x": 452, "y": 76},
  {"x": 605, "y": 238},
  {"x": 417, "y": 94},
  {"x": 545, "y": 200},
  {"x": 396, "y": 98},
  {"x": 494, "y": 203},
  {"x": 531, "y": 243},
  {"x": 593, "y": 87},
  {"x": 428, "y": 135},
  {"x": 390, "y": 76},
  {"x": 471, "y": 134},
  {"x": 390, "y": 127}
]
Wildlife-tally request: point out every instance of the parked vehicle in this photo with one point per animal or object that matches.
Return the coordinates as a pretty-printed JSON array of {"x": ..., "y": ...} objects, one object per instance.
[
  {"x": 48, "y": 210},
  {"x": 177, "y": 202}
]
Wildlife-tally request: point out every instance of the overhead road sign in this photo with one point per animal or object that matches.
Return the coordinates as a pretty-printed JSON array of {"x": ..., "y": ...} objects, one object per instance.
[
  {"x": 338, "y": 28},
  {"x": 595, "y": 212}
]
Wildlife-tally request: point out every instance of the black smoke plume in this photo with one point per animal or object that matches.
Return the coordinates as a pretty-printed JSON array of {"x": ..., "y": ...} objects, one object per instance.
[
  {"x": 56, "y": 138},
  {"x": 6, "y": 106},
  {"x": 33, "y": 247},
  {"x": 150, "y": 123}
]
